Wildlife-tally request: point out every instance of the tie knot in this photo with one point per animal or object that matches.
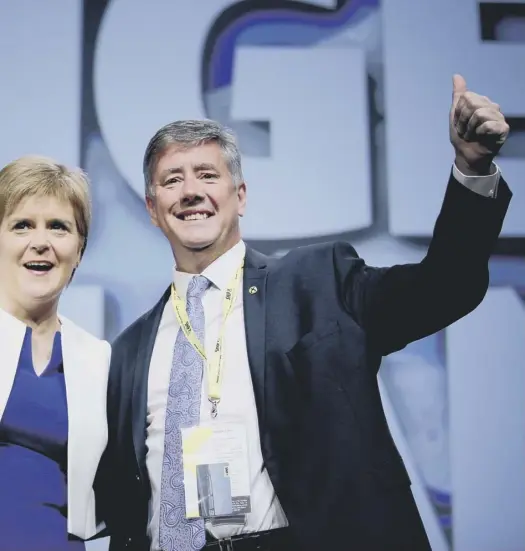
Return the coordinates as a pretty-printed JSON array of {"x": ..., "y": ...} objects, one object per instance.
[{"x": 197, "y": 286}]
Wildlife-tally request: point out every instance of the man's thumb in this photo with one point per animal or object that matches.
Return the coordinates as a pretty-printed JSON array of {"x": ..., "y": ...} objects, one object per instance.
[{"x": 459, "y": 86}]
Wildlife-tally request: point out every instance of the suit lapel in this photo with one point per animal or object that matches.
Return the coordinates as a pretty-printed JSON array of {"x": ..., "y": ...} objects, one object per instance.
[
  {"x": 12, "y": 333},
  {"x": 254, "y": 291},
  {"x": 254, "y": 297},
  {"x": 146, "y": 343}
]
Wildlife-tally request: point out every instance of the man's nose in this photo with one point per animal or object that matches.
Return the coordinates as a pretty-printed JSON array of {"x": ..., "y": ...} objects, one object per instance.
[{"x": 191, "y": 191}]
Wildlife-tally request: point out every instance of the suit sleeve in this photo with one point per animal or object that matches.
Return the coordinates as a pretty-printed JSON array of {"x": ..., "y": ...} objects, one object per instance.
[{"x": 404, "y": 303}]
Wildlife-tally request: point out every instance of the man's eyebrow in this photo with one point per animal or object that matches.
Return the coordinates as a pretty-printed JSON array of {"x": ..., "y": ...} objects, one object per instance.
[
  {"x": 200, "y": 167},
  {"x": 205, "y": 166},
  {"x": 172, "y": 170}
]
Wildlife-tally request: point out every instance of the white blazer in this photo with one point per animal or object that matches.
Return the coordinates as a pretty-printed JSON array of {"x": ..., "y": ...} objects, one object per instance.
[{"x": 86, "y": 367}]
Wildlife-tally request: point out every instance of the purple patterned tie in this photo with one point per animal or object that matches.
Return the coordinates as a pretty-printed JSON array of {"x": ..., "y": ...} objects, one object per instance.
[{"x": 176, "y": 532}]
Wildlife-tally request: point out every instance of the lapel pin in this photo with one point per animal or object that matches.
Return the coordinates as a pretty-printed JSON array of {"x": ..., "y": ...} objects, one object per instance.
[{"x": 252, "y": 290}]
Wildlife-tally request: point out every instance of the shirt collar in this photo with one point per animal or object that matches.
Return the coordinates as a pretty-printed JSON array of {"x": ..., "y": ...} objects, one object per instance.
[{"x": 219, "y": 272}]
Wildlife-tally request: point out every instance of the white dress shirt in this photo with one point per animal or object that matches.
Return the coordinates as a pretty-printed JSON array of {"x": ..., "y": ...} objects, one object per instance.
[{"x": 237, "y": 397}]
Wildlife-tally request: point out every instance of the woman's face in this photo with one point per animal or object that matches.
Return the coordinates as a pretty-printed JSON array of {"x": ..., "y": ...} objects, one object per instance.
[{"x": 39, "y": 249}]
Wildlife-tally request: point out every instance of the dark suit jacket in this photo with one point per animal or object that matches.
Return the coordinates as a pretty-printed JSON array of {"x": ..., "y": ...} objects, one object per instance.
[{"x": 316, "y": 330}]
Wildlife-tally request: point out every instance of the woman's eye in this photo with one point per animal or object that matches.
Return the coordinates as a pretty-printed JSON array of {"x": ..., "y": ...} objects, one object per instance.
[
  {"x": 22, "y": 225},
  {"x": 58, "y": 226}
]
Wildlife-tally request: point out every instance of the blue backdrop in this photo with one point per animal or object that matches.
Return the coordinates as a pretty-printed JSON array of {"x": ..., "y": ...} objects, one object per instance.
[{"x": 341, "y": 108}]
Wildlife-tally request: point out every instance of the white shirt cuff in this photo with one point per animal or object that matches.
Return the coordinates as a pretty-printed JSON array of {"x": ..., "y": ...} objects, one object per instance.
[{"x": 482, "y": 185}]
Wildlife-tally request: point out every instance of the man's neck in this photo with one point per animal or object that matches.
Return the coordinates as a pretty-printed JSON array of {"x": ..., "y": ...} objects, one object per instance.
[{"x": 195, "y": 262}]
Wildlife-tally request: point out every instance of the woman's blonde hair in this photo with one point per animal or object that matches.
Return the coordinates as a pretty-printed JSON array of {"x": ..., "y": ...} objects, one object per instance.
[{"x": 42, "y": 176}]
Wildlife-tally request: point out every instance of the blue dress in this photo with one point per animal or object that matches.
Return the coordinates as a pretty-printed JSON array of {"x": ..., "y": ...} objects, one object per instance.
[{"x": 33, "y": 458}]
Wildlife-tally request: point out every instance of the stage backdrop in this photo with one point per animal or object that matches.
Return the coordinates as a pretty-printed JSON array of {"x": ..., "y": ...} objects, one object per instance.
[{"x": 341, "y": 108}]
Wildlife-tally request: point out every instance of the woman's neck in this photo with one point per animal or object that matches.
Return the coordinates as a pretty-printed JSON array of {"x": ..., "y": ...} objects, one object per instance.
[{"x": 41, "y": 317}]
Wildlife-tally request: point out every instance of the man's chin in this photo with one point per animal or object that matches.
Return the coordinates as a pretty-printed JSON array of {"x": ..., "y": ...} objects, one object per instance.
[{"x": 198, "y": 247}]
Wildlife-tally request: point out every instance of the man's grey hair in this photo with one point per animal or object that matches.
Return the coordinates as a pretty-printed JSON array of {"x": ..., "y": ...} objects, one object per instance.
[{"x": 191, "y": 133}]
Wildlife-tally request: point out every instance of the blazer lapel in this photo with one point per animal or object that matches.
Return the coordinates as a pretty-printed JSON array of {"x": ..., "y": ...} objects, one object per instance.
[
  {"x": 75, "y": 359},
  {"x": 12, "y": 333},
  {"x": 254, "y": 296},
  {"x": 139, "y": 406},
  {"x": 85, "y": 364}
]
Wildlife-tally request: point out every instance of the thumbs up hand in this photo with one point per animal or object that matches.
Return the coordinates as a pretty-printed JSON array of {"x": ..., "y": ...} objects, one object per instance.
[{"x": 477, "y": 129}]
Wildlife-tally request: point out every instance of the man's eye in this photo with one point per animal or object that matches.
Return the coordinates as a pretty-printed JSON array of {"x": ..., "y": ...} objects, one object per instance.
[{"x": 209, "y": 176}]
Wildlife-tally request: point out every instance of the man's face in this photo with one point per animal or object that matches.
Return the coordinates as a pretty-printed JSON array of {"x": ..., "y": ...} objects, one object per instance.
[{"x": 195, "y": 203}]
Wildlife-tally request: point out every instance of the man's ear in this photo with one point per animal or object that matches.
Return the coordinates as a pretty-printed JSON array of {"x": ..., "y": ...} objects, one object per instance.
[
  {"x": 241, "y": 197},
  {"x": 150, "y": 205}
]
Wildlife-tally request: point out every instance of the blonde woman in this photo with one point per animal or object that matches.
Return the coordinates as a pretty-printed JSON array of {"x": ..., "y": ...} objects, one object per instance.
[{"x": 53, "y": 374}]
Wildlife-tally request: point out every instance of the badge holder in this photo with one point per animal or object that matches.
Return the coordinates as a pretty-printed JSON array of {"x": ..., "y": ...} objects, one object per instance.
[{"x": 216, "y": 475}]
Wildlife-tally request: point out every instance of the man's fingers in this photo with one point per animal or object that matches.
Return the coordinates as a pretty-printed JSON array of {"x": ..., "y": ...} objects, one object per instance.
[
  {"x": 463, "y": 114},
  {"x": 474, "y": 118},
  {"x": 468, "y": 104},
  {"x": 496, "y": 130},
  {"x": 478, "y": 118},
  {"x": 456, "y": 111}
]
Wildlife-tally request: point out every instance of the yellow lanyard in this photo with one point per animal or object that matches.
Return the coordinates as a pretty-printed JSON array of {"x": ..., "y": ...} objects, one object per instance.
[{"x": 216, "y": 364}]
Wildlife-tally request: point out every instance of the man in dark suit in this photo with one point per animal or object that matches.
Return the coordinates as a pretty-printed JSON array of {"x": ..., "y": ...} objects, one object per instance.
[{"x": 294, "y": 354}]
